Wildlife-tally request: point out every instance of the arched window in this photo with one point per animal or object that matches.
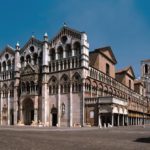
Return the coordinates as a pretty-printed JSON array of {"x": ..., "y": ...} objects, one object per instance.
[
  {"x": 52, "y": 54},
  {"x": 100, "y": 90},
  {"x": 94, "y": 88},
  {"x": 77, "y": 48},
  {"x": 53, "y": 85},
  {"x": 65, "y": 84},
  {"x": 9, "y": 64},
  {"x": 28, "y": 59},
  {"x": 87, "y": 85},
  {"x": 76, "y": 83},
  {"x": 130, "y": 84},
  {"x": 5, "y": 91},
  {"x": 110, "y": 91},
  {"x": 68, "y": 50},
  {"x": 105, "y": 91},
  {"x": 107, "y": 69},
  {"x": 60, "y": 52},
  {"x": 35, "y": 58},
  {"x": 4, "y": 66}
]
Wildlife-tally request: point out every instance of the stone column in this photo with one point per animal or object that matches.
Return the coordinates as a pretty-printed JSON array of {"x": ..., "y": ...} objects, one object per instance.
[
  {"x": 64, "y": 53},
  {"x": 70, "y": 63},
  {"x": 15, "y": 105},
  {"x": 112, "y": 119},
  {"x": 99, "y": 121},
  {"x": 36, "y": 115},
  {"x": 73, "y": 52},
  {"x": 56, "y": 55},
  {"x": 6, "y": 67},
  {"x": 123, "y": 118},
  {"x": 83, "y": 103},
  {"x": 25, "y": 63},
  {"x": 44, "y": 103},
  {"x": 59, "y": 66},
  {"x": 8, "y": 107},
  {"x": 21, "y": 114},
  {"x": 71, "y": 114},
  {"x": 59, "y": 108},
  {"x": 138, "y": 121},
  {"x": 63, "y": 65},
  {"x": 118, "y": 120}
]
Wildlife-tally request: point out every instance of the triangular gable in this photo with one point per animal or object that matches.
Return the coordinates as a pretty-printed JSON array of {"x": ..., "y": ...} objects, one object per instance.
[
  {"x": 9, "y": 50},
  {"x": 33, "y": 41},
  {"x": 131, "y": 72},
  {"x": 66, "y": 30},
  {"x": 138, "y": 82},
  {"x": 127, "y": 70},
  {"x": 108, "y": 53}
]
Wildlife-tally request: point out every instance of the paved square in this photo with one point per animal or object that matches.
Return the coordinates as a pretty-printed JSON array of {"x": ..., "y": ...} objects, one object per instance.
[{"x": 127, "y": 138}]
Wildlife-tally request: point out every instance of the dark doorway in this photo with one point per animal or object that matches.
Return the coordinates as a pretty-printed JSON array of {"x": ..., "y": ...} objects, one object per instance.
[
  {"x": 54, "y": 116},
  {"x": 54, "y": 119},
  {"x": 28, "y": 111},
  {"x": 11, "y": 117}
]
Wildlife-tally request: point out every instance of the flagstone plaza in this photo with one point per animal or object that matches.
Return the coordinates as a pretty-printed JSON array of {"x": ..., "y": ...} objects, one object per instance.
[{"x": 30, "y": 138}]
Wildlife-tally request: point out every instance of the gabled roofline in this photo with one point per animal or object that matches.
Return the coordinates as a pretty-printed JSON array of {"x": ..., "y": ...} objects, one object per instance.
[
  {"x": 100, "y": 50},
  {"x": 78, "y": 33},
  {"x": 32, "y": 39},
  {"x": 9, "y": 49},
  {"x": 125, "y": 70}
]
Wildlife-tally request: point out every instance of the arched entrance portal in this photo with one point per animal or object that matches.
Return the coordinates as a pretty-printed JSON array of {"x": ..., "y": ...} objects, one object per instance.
[
  {"x": 54, "y": 116},
  {"x": 28, "y": 111}
]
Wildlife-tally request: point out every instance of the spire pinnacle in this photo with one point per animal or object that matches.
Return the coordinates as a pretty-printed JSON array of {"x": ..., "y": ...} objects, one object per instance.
[
  {"x": 17, "y": 46},
  {"x": 46, "y": 37},
  {"x": 65, "y": 24}
]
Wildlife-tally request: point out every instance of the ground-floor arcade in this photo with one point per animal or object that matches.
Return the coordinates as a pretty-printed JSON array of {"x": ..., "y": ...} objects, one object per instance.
[{"x": 109, "y": 111}]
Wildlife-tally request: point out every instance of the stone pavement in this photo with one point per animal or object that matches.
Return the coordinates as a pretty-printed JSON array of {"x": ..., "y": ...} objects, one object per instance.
[{"x": 33, "y": 138}]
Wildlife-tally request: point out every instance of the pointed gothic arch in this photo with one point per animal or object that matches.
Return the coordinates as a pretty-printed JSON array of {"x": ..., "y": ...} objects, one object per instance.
[
  {"x": 64, "y": 84},
  {"x": 28, "y": 111},
  {"x": 76, "y": 82},
  {"x": 53, "y": 85}
]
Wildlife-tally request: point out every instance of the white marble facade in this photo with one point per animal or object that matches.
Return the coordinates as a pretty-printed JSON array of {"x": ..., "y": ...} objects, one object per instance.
[{"x": 41, "y": 82}]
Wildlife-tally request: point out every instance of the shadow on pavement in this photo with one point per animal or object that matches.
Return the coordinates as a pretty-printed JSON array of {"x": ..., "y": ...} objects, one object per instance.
[{"x": 143, "y": 140}]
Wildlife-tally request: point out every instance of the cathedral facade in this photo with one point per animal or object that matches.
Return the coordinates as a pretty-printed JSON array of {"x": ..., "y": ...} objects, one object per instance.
[{"x": 59, "y": 82}]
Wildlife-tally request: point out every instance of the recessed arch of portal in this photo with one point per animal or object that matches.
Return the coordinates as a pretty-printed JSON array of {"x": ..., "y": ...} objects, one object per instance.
[{"x": 27, "y": 110}]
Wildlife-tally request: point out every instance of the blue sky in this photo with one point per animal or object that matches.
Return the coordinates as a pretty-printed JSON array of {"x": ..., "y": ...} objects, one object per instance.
[{"x": 122, "y": 24}]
